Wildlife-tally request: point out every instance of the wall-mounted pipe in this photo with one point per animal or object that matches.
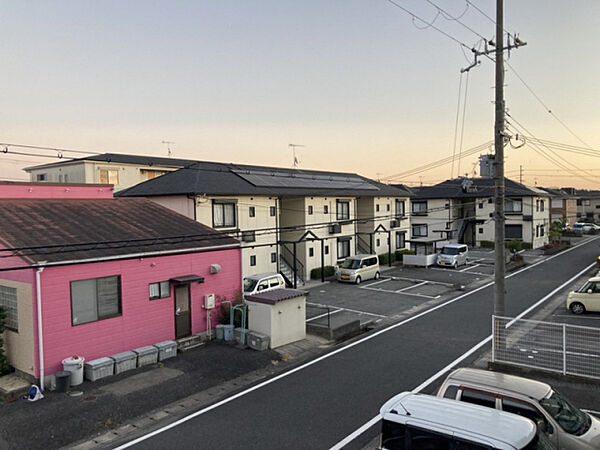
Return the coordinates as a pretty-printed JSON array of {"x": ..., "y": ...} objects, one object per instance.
[{"x": 38, "y": 287}]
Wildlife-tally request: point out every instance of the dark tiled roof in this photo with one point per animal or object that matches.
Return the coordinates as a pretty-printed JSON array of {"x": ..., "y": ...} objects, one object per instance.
[
  {"x": 479, "y": 187},
  {"x": 125, "y": 159},
  {"x": 228, "y": 179},
  {"x": 555, "y": 192},
  {"x": 126, "y": 226},
  {"x": 275, "y": 296}
]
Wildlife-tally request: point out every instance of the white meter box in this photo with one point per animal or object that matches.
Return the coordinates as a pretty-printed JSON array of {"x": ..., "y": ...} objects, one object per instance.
[{"x": 209, "y": 301}]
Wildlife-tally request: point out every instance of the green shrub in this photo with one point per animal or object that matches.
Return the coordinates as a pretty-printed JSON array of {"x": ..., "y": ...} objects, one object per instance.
[
  {"x": 514, "y": 245},
  {"x": 315, "y": 274},
  {"x": 526, "y": 245},
  {"x": 399, "y": 254},
  {"x": 5, "y": 367},
  {"x": 486, "y": 244},
  {"x": 384, "y": 258}
]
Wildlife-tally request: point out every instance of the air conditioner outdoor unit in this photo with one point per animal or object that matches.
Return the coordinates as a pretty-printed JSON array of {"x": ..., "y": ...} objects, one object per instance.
[
  {"x": 248, "y": 236},
  {"x": 527, "y": 218},
  {"x": 335, "y": 228}
]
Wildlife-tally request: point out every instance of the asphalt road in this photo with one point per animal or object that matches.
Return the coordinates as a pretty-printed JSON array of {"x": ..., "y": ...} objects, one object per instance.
[{"x": 320, "y": 404}]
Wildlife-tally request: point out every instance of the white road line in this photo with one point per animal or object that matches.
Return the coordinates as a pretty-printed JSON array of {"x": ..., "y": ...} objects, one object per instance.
[
  {"x": 473, "y": 349},
  {"x": 578, "y": 317},
  {"x": 323, "y": 315},
  {"x": 377, "y": 282},
  {"x": 326, "y": 356},
  {"x": 412, "y": 287},
  {"x": 469, "y": 267},
  {"x": 596, "y": 413},
  {"x": 345, "y": 309},
  {"x": 415, "y": 280},
  {"x": 399, "y": 293}
]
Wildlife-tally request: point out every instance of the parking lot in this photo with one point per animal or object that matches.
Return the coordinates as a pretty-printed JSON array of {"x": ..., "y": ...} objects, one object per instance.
[{"x": 400, "y": 291}]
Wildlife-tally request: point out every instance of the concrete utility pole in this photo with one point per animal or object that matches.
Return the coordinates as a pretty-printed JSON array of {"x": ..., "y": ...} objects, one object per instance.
[{"x": 500, "y": 261}]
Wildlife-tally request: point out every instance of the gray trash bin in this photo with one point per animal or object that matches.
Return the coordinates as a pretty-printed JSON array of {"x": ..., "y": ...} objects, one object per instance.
[{"x": 74, "y": 364}]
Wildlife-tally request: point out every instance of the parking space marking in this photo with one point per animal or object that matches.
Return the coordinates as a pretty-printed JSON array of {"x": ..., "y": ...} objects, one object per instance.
[
  {"x": 346, "y": 309},
  {"x": 469, "y": 267},
  {"x": 324, "y": 315},
  {"x": 400, "y": 293},
  {"x": 414, "y": 280},
  {"x": 412, "y": 287},
  {"x": 469, "y": 273},
  {"x": 378, "y": 282},
  {"x": 575, "y": 317}
]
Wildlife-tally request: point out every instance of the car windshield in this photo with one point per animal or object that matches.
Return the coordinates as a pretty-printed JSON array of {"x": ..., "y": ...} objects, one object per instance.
[
  {"x": 249, "y": 284},
  {"x": 585, "y": 287},
  {"x": 351, "y": 264},
  {"x": 570, "y": 419},
  {"x": 449, "y": 251}
]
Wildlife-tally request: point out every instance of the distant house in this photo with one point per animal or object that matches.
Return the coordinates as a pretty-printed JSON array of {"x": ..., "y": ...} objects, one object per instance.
[
  {"x": 286, "y": 218},
  {"x": 563, "y": 205},
  {"x": 121, "y": 171},
  {"x": 588, "y": 205},
  {"x": 107, "y": 275},
  {"x": 462, "y": 210}
]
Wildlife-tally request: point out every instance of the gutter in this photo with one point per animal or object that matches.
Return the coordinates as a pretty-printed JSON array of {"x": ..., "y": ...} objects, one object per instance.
[{"x": 38, "y": 287}]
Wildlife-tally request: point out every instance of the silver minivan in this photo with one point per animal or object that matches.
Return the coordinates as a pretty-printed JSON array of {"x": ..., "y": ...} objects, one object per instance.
[
  {"x": 418, "y": 421},
  {"x": 565, "y": 426},
  {"x": 356, "y": 269},
  {"x": 453, "y": 255}
]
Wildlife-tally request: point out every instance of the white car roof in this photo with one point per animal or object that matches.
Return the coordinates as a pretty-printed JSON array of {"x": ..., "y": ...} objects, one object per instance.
[{"x": 462, "y": 418}]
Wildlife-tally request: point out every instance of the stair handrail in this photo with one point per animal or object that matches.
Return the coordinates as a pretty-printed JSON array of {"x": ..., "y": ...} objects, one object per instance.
[{"x": 287, "y": 255}]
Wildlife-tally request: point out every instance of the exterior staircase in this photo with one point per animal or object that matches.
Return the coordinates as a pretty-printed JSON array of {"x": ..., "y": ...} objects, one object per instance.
[{"x": 288, "y": 272}]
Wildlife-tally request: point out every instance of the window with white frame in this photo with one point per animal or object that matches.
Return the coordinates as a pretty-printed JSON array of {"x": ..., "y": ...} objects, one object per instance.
[
  {"x": 343, "y": 209},
  {"x": 542, "y": 206},
  {"x": 108, "y": 176},
  {"x": 223, "y": 214},
  {"x": 8, "y": 301},
  {"x": 419, "y": 230},
  {"x": 95, "y": 299},
  {"x": 419, "y": 208},
  {"x": 400, "y": 208},
  {"x": 162, "y": 289},
  {"x": 343, "y": 248},
  {"x": 513, "y": 206},
  {"x": 400, "y": 239}
]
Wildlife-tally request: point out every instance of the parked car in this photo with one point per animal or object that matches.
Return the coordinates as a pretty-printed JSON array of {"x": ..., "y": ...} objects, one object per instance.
[
  {"x": 585, "y": 227},
  {"x": 453, "y": 255},
  {"x": 565, "y": 426},
  {"x": 263, "y": 282},
  {"x": 356, "y": 269},
  {"x": 418, "y": 421},
  {"x": 586, "y": 298}
]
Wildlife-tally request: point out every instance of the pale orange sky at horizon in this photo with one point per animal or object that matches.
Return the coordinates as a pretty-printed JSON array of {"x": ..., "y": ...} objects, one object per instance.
[{"x": 355, "y": 82}]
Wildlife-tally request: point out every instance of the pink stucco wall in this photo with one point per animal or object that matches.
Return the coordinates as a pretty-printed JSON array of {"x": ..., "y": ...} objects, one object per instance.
[
  {"x": 143, "y": 321},
  {"x": 50, "y": 190}
]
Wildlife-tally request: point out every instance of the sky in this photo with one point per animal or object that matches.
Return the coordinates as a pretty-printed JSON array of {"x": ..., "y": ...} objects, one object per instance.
[{"x": 364, "y": 86}]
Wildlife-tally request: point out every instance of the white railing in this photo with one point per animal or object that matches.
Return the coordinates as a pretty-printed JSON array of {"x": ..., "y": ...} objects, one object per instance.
[{"x": 556, "y": 347}]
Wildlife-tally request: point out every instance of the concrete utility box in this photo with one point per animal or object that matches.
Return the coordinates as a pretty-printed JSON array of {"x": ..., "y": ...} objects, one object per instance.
[
  {"x": 279, "y": 314},
  {"x": 124, "y": 361},
  {"x": 257, "y": 341},
  {"x": 146, "y": 355},
  {"x": 166, "y": 350},
  {"x": 99, "y": 368}
]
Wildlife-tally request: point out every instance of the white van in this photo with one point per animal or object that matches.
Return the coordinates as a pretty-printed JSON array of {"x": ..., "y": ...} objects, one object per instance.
[
  {"x": 419, "y": 421},
  {"x": 263, "y": 282},
  {"x": 358, "y": 268},
  {"x": 453, "y": 255}
]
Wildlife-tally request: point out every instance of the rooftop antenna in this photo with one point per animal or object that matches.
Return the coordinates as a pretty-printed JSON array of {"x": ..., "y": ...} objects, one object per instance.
[
  {"x": 294, "y": 153},
  {"x": 168, "y": 144}
]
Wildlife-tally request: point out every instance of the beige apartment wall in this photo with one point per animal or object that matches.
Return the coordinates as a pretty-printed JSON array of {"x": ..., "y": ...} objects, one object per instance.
[
  {"x": 19, "y": 345},
  {"x": 129, "y": 174},
  {"x": 75, "y": 173},
  {"x": 436, "y": 218},
  {"x": 540, "y": 218},
  {"x": 254, "y": 259},
  {"x": 367, "y": 209},
  {"x": 181, "y": 204},
  {"x": 483, "y": 214}
]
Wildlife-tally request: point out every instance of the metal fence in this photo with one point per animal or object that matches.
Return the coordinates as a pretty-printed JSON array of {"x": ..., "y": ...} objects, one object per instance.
[{"x": 557, "y": 347}]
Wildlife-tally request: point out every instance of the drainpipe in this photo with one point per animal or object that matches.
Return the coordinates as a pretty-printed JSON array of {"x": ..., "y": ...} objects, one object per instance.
[{"x": 39, "y": 321}]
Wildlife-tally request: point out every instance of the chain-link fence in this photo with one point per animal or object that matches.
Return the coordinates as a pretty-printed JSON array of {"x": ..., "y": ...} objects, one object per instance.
[{"x": 558, "y": 347}]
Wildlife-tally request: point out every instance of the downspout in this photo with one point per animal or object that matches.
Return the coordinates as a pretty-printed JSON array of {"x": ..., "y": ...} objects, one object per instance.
[{"x": 38, "y": 287}]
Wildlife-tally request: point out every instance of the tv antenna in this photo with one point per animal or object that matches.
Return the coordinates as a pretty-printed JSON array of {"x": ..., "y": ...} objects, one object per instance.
[
  {"x": 294, "y": 153},
  {"x": 168, "y": 144}
]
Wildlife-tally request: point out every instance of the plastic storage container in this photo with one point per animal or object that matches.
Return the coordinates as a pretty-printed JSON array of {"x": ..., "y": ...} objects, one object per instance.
[
  {"x": 63, "y": 381},
  {"x": 228, "y": 332},
  {"x": 146, "y": 355},
  {"x": 241, "y": 335},
  {"x": 166, "y": 350},
  {"x": 74, "y": 364},
  {"x": 124, "y": 361},
  {"x": 99, "y": 368},
  {"x": 257, "y": 341},
  {"x": 220, "y": 329}
]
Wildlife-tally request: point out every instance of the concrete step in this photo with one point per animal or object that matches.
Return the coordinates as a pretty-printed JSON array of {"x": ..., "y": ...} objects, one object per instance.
[
  {"x": 12, "y": 386},
  {"x": 190, "y": 342}
]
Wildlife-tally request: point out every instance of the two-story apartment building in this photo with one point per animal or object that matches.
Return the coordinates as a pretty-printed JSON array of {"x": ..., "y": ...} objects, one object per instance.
[
  {"x": 121, "y": 171},
  {"x": 462, "y": 210},
  {"x": 286, "y": 218}
]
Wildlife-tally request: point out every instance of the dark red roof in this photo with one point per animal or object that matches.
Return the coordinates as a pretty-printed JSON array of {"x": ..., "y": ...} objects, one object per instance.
[{"x": 55, "y": 230}]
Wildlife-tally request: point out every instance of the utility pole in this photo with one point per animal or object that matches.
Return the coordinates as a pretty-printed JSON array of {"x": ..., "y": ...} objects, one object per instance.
[{"x": 499, "y": 261}]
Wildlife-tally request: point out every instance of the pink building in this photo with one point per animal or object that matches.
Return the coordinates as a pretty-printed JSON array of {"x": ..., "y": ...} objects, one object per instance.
[
  {"x": 107, "y": 275},
  {"x": 26, "y": 189}
]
